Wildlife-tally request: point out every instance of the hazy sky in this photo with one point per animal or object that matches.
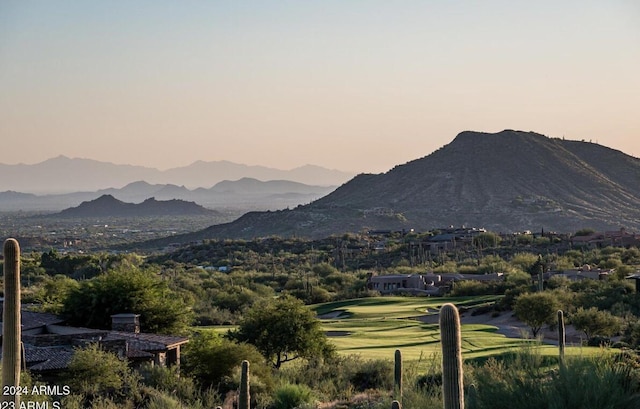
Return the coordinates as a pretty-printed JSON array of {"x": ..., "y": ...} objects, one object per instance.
[{"x": 346, "y": 84}]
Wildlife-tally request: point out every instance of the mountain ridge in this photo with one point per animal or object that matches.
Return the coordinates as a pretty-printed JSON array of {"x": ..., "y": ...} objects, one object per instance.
[
  {"x": 506, "y": 182},
  {"x": 108, "y": 206},
  {"x": 246, "y": 193},
  {"x": 62, "y": 174}
]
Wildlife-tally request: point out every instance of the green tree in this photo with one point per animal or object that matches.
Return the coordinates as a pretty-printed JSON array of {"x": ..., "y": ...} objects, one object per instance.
[
  {"x": 54, "y": 291},
  {"x": 487, "y": 240},
  {"x": 594, "y": 322},
  {"x": 524, "y": 239},
  {"x": 96, "y": 373},
  {"x": 128, "y": 291},
  {"x": 324, "y": 269},
  {"x": 517, "y": 279},
  {"x": 212, "y": 361},
  {"x": 493, "y": 264},
  {"x": 283, "y": 329},
  {"x": 623, "y": 271},
  {"x": 523, "y": 261},
  {"x": 585, "y": 232},
  {"x": 536, "y": 309}
]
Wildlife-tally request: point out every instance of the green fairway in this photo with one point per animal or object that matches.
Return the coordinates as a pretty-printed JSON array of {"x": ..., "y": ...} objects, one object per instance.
[
  {"x": 376, "y": 327},
  {"x": 395, "y": 307}
]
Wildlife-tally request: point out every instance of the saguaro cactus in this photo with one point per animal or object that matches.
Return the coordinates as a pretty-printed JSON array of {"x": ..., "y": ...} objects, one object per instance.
[
  {"x": 11, "y": 335},
  {"x": 245, "y": 397},
  {"x": 397, "y": 375},
  {"x": 540, "y": 268},
  {"x": 451, "y": 340},
  {"x": 471, "y": 400},
  {"x": 561, "y": 336}
]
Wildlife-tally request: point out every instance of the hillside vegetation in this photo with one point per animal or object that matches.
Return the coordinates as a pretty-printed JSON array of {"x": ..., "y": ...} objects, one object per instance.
[
  {"x": 229, "y": 282},
  {"x": 505, "y": 182}
]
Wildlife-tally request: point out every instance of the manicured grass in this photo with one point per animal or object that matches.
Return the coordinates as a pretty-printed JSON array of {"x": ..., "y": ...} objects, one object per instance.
[
  {"x": 373, "y": 338},
  {"x": 395, "y": 307},
  {"x": 376, "y": 327}
]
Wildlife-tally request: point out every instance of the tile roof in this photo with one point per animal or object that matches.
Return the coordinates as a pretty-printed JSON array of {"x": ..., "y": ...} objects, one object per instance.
[
  {"x": 47, "y": 358},
  {"x": 32, "y": 320},
  {"x": 148, "y": 342},
  {"x": 37, "y": 319},
  {"x": 57, "y": 348}
]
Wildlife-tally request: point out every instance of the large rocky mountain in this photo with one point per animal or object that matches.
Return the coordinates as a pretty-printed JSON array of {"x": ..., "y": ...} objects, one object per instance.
[{"x": 506, "y": 182}]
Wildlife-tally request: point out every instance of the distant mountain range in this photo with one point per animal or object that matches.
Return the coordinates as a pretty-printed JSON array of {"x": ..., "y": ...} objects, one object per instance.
[
  {"x": 66, "y": 175},
  {"x": 505, "y": 182},
  {"x": 246, "y": 194},
  {"x": 109, "y": 206}
]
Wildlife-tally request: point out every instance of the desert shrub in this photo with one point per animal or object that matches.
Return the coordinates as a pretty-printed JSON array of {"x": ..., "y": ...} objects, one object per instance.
[
  {"x": 94, "y": 373},
  {"x": 290, "y": 396},
  {"x": 517, "y": 278},
  {"x": 207, "y": 314},
  {"x": 320, "y": 295},
  {"x": 212, "y": 360},
  {"x": 524, "y": 261},
  {"x": 632, "y": 334},
  {"x": 567, "y": 300},
  {"x": 107, "y": 403},
  {"x": 340, "y": 377},
  {"x": 373, "y": 374},
  {"x": 605, "y": 382},
  {"x": 470, "y": 287},
  {"x": 631, "y": 256},
  {"x": 558, "y": 282},
  {"x": 314, "y": 295},
  {"x": 469, "y": 269},
  {"x": 511, "y": 294},
  {"x": 624, "y": 271},
  {"x": 324, "y": 269},
  {"x": 594, "y": 322},
  {"x": 527, "y": 381},
  {"x": 329, "y": 378},
  {"x": 336, "y": 281},
  {"x": 512, "y": 382},
  {"x": 450, "y": 267},
  {"x": 162, "y": 401},
  {"x": 234, "y": 298},
  {"x": 169, "y": 380}
]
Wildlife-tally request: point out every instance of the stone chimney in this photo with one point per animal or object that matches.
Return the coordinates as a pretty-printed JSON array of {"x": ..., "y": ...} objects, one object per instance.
[{"x": 126, "y": 323}]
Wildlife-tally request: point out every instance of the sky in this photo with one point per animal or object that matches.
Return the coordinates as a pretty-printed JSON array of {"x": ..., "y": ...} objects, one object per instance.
[{"x": 358, "y": 86}]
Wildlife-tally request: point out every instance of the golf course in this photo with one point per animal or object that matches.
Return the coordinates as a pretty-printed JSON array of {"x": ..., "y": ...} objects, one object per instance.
[{"x": 375, "y": 327}]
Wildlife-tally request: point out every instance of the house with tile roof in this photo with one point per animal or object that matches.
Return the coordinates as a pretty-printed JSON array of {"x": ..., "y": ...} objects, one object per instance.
[{"x": 49, "y": 344}]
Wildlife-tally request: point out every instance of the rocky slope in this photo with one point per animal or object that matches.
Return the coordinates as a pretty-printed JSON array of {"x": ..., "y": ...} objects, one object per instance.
[{"x": 504, "y": 182}]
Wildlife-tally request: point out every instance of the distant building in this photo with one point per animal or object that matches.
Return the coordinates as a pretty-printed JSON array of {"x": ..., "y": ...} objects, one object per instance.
[
  {"x": 614, "y": 238},
  {"x": 49, "y": 345},
  {"x": 583, "y": 273},
  {"x": 422, "y": 284},
  {"x": 453, "y": 237}
]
